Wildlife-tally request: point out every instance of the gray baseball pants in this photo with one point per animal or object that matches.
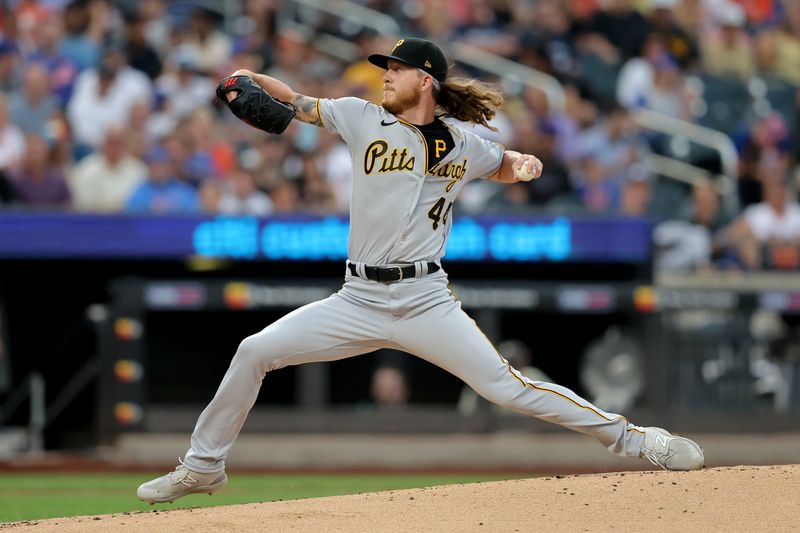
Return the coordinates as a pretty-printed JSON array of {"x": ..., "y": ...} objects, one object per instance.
[{"x": 417, "y": 315}]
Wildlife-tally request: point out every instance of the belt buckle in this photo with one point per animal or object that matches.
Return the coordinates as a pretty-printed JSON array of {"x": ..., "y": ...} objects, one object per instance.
[{"x": 400, "y": 272}]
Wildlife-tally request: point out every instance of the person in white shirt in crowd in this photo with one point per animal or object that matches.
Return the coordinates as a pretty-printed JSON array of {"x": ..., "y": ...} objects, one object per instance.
[
  {"x": 12, "y": 140},
  {"x": 183, "y": 88},
  {"x": 103, "y": 97},
  {"x": 334, "y": 159},
  {"x": 653, "y": 81},
  {"x": 103, "y": 181},
  {"x": 240, "y": 196},
  {"x": 212, "y": 47},
  {"x": 767, "y": 234}
]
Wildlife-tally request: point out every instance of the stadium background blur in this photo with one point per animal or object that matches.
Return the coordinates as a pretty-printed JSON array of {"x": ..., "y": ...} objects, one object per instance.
[{"x": 108, "y": 116}]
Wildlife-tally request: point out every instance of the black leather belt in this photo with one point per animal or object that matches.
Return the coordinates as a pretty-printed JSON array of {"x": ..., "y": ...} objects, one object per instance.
[{"x": 389, "y": 274}]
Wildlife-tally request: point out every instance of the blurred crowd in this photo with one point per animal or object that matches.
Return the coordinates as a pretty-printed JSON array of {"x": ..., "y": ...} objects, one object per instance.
[{"x": 109, "y": 107}]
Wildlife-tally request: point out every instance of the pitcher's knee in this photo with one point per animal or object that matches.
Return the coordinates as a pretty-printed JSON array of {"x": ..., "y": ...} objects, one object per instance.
[
  {"x": 253, "y": 351},
  {"x": 502, "y": 400},
  {"x": 505, "y": 393}
]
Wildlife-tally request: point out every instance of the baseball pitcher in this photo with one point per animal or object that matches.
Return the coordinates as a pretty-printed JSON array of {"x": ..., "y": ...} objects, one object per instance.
[{"x": 409, "y": 163}]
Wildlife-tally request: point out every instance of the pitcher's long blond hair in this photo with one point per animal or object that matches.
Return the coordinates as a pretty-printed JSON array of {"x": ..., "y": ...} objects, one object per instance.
[{"x": 469, "y": 100}]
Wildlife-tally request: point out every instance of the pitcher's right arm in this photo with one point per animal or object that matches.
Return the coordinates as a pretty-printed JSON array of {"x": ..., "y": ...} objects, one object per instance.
[{"x": 306, "y": 106}]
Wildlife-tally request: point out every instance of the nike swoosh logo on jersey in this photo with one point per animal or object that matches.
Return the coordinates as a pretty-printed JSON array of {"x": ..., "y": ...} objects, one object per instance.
[{"x": 384, "y": 123}]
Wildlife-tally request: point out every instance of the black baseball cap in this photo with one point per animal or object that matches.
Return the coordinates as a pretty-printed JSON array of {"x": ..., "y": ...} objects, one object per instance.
[{"x": 419, "y": 53}]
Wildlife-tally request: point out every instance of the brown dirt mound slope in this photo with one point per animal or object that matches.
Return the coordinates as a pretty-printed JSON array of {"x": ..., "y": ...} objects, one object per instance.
[{"x": 744, "y": 498}]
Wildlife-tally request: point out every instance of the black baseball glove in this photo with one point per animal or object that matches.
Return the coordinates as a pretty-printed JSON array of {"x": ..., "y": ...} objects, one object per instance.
[{"x": 254, "y": 105}]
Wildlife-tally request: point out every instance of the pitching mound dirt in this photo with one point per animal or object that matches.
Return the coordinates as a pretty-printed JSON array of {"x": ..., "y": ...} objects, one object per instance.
[{"x": 745, "y": 498}]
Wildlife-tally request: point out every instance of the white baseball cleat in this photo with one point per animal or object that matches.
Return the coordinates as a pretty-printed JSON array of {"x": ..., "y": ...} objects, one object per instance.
[
  {"x": 180, "y": 482},
  {"x": 671, "y": 452}
]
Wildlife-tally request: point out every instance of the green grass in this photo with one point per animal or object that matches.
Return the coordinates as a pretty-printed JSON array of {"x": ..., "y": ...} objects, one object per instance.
[{"x": 37, "y": 496}]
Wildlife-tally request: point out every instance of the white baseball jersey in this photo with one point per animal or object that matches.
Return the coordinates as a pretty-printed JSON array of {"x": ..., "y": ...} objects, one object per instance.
[{"x": 400, "y": 212}]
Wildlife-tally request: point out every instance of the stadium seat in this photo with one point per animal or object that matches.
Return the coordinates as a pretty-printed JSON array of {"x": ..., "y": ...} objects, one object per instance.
[{"x": 728, "y": 103}]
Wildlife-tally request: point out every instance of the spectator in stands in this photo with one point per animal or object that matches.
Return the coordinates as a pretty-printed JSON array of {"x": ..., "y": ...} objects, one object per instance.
[
  {"x": 679, "y": 44},
  {"x": 141, "y": 134},
  {"x": 284, "y": 196},
  {"x": 9, "y": 66},
  {"x": 512, "y": 199},
  {"x": 38, "y": 182},
  {"x": 85, "y": 24},
  {"x": 688, "y": 243},
  {"x": 265, "y": 158},
  {"x": 668, "y": 95},
  {"x": 613, "y": 143},
  {"x": 210, "y": 195},
  {"x": 694, "y": 17},
  {"x": 539, "y": 136},
  {"x": 183, "y": 89},
  {"x": 103, "y": 181},
  {"x": 578, "y": 116},
  {"x": 242, "y": 197},
  {"x": 197, "y": 134},
  {"x": 550, "y": 38},
  {"x": 636, "y": 192},
  {"x": 635, "y": 80},
  {"x": 296, "y": 63},
  {"x": 768, "y": 138},
  {"x": 317, "y": 194},
  {"x": 157, "y": 24},
  {"x": 28, "y": 15},
  {"x": 596, "y": 190},
  {"x": 141, "y": 55},
  {"x": 767, "y": 234},
  {"x": 46, "y": 41},
  {"x": 729, "y": 51},
  {"x": 706, "y": 208},
  {"x": 760, "y": 12},
  {"x": 162, "y": 193},
  {"x": 481, "y": 25},
  {"x": 333, "y": 160},
  {"x": 178, "y": 148},
  {"x": 389, "y": 386},
  {"x": 33, "y": 105},
  {"x": 583, "y": 10},
  {"x": 256, "y": 48},
  {"x": 366, "y": 82},
  {"x": 212, "y": 47},
  {"x": 622, "y": 27},
  {"x": 12, "y": 140},
  {"x": 779, "y": 47},
  {"x": 435, "y": 18},
  {"x": 106, "y": 94}
]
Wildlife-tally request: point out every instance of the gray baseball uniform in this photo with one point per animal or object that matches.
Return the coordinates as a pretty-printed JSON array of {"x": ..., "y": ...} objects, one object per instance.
[{"x": 399, "y": 216}]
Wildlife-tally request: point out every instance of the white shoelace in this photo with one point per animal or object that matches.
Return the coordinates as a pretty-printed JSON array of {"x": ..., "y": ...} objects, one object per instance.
[
  {"x": 655, "y": 458},
  {"x": 181, "y": 475}
]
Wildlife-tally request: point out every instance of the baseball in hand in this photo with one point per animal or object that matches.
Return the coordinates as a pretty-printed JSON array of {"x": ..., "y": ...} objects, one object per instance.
[{"x": 530, "y": 168}]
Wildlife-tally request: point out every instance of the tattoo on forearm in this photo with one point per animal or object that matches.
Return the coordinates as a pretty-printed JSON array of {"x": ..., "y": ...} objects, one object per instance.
[{"x": 307, "y": 109}]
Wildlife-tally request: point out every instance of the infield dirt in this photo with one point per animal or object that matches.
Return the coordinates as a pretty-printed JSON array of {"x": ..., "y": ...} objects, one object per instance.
[{"x": 742, "y": 498}]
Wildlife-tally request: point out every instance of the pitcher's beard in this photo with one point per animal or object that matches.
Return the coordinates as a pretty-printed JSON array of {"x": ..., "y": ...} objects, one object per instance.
[{"x": 402, "y": 102}]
